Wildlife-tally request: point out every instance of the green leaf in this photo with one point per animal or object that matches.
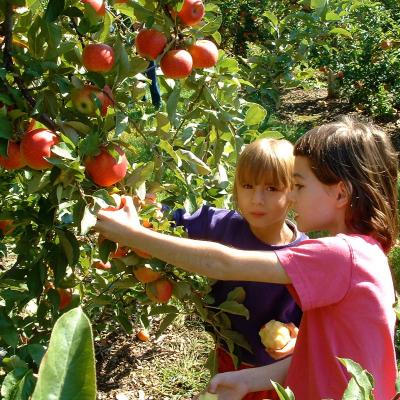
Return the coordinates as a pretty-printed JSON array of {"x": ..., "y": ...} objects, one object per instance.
[
  {"x": 271, "y": 134},
  {"x": 70, "y": 246},
  {"x": 36, "y": 351},
  {"x": 164, "y": 145},
  {"x": 70, "y": 353},
  {"x": 318, "y": 4},
  {"x": 283, "y": 394},
  {"x": 361, "y": 383},
  {"x": 198, "y": 165},
  {"x": 255, "y": 114},
  {"x": 238, "y": 295},
  {"x": 172, "y": 104},
  {"x": 7, "y": 330},
  {"x": 235, "y": 338},
  {"x": 6, "y": 129},
  {"x": 164, "y": 309},
  {"x": 54, "y": 9},
  {"x": 332, "y": 16},
  {"x": 272, "y": 17},
  {"x": 212, "y": 25},
  {"x": 88, "y": 221},
  {"x": 140, "y": 174},
  {"x": 18, "y": 384},
  {"x": 63, "y": 151},
  {"x": 166, "y": 322},
  {"x": 106, "y": 247},
  {"x": 341, "y": 32},
  {"x": 137, "y": 65},
  {"x": 235, "y": 308}
]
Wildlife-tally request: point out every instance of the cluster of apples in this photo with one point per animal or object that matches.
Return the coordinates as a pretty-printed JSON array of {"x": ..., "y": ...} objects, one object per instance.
[
  {"x": 178, "y": 63},
  {"x": 35, "y": 147},
  {"x": 157, "y": 286}
]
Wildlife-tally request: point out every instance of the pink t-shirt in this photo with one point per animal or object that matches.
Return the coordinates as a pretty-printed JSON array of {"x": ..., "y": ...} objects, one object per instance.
[{"x": 344, "y": 286}]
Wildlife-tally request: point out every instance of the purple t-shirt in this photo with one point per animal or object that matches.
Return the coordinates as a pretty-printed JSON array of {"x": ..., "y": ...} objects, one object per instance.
[{"x": 265, "y": 301}]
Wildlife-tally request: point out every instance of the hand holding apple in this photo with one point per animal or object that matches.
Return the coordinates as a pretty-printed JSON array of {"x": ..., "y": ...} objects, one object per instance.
[
  {"x": 278, "y": 338},
  {"x": 119, "y": 226}
]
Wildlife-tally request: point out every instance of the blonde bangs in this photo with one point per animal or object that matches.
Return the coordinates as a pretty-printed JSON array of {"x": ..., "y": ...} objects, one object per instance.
[{"x": 267, "y": 161}]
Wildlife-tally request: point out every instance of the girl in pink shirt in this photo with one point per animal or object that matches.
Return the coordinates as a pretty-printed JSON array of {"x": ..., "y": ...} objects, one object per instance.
[{"x": 345, "y": 183}]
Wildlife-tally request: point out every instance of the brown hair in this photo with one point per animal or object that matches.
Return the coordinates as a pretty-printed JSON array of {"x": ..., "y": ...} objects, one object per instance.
[
  {"x": 363, "y": 158},
  {"x": 265, "y": 158}
]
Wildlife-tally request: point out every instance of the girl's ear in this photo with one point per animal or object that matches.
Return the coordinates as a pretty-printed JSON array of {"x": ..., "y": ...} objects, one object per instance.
[{"x": 343, "y": 195}]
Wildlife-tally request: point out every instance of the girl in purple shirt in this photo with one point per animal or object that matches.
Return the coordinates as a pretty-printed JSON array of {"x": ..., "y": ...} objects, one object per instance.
[{"x": 262, "y": 181}]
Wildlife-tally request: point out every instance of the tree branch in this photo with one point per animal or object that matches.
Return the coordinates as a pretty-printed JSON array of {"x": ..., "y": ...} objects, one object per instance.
[{"x": 9, "y": 65}]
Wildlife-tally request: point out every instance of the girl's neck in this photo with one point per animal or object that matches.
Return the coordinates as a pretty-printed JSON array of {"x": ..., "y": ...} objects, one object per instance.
[{"x": 278, "y": 235}]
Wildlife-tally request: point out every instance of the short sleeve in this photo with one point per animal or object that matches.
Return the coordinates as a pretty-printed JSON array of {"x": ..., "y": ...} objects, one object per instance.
[
  {"x": 320, "y": 270},
  {"x": 196, "y": 224}
]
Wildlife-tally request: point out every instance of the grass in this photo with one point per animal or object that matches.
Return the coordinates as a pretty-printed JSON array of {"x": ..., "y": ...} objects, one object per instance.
[
  {"x": 171, "y": 367},
  {"x": 184, "y": 374}
]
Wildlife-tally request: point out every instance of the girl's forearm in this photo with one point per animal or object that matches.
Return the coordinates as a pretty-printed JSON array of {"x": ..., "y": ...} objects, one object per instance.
[
  {"x": 252, "y": 379},
  {"x": 258, "y": 379},
  {"x": 210, "y": 259}
]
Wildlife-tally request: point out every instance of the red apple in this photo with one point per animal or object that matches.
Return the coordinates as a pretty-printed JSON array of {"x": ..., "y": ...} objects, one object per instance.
[
  {"x": 98, "y": 5},
  {"x": 36, "y": 145},
  {"x": 83, "y": 101},
  {"x": 104, "y": 169},
  {"x": 177, "y": 64},
  {"x": 98, "y": 57},
  {"x": 204, "y": 54},
  {"x": 192, "y": 12},
  {"x": 14, "y": 159},
  {"x": 150, "y": 43},
  {"x": 6, "y": 226},
  {"x": 159, "y": 291}
]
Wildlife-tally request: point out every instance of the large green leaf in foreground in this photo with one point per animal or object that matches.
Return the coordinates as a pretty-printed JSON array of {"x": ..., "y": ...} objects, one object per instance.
[{"x": 67, "y": 371}]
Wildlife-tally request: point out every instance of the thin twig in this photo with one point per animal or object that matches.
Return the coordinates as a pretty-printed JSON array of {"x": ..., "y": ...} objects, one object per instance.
[{"x": 9, "y": 65}]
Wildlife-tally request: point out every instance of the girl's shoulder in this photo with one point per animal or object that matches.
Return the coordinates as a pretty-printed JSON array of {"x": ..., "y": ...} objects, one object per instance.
[
  {"x": 207, "y": 221},
  {"x": 205, "y": 212}
]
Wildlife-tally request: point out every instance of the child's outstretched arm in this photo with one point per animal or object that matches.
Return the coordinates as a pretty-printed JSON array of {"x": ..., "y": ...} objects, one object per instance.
[
  {"x": 205, "y": 258},
  {"x": 235, "y": 385}
]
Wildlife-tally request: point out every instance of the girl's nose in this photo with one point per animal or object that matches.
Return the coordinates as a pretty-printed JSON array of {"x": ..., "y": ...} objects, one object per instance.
[{"x": 258, "y": 196}]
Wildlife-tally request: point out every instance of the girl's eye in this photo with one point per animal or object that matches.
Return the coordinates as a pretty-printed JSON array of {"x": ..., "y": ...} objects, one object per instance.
[
  {"x": 298, "y": 186},
  {"x": 247, "y": 186},
  {"x": 271, "y": 188}
]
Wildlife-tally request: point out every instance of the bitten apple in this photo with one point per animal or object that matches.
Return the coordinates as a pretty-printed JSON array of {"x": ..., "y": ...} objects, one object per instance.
[{"x": 274, "y": 335}]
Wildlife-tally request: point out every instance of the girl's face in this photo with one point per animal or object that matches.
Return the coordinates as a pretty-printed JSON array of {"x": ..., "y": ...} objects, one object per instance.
[
  {"x": 262, "y": 205},
  {"x": 314, "y": 203}
]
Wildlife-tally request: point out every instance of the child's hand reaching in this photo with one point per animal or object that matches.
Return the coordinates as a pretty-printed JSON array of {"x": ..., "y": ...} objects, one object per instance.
[{"x": 120, "y": 224}]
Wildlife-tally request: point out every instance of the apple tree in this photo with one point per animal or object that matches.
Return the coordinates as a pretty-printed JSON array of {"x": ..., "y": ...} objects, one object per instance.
[{"x": 99, "y": 99}]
